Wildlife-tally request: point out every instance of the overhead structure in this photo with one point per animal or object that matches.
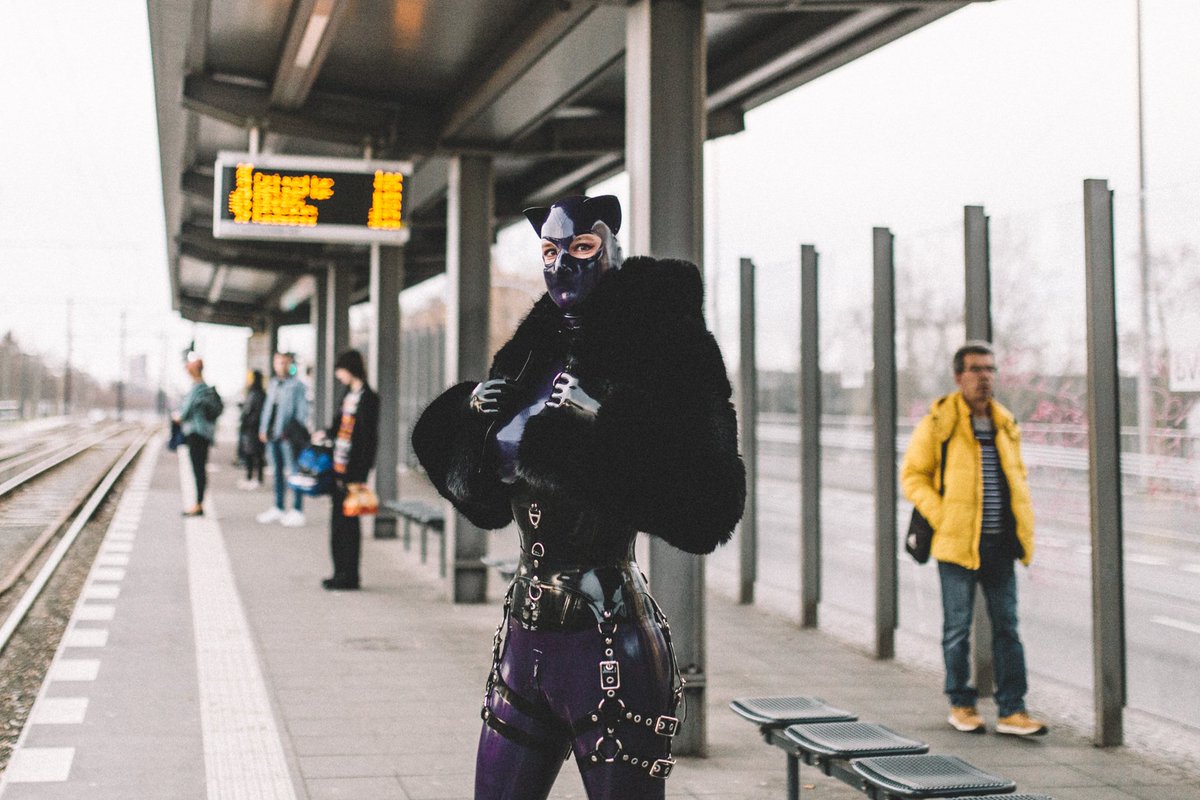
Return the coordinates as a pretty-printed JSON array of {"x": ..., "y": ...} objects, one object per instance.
[{"x": 536, "y": 86}]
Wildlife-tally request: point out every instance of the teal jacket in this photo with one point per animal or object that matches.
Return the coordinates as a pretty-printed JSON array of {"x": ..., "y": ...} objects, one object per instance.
[{"x": 193, "y": 417}]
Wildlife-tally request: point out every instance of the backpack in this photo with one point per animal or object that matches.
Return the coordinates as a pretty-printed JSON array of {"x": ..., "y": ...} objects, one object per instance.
[{"x": 213, "y": 406}]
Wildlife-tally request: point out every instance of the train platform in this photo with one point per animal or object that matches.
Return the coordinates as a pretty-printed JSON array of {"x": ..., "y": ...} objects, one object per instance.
[{"x": 204, "y": 660}]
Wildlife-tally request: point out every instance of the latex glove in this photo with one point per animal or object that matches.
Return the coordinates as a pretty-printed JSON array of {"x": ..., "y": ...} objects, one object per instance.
[
  {"x": 496, "y": 396},
  {"x": 568, "y": 394}
]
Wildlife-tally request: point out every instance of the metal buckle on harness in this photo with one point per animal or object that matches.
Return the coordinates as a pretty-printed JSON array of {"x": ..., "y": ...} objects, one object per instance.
[
  {"x": 535, "y": 592},
  {"x": 662, "y": 768},
  {"x": 610, "y": 675},
  {"x": 538, "y": 550},
  {"x": 535, "y": 515},
  {"x": 666, "y": 725}
]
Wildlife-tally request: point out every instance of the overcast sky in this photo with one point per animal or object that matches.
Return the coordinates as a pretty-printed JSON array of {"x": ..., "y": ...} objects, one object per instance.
[{"x": 1009, "y": 104}]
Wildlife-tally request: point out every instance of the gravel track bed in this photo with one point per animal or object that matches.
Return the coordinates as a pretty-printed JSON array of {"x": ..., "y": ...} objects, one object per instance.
[{"x": 24, "y": 663}]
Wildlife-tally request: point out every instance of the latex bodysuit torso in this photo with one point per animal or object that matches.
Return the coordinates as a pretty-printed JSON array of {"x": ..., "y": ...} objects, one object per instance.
[{"x": 585, "y": 662}]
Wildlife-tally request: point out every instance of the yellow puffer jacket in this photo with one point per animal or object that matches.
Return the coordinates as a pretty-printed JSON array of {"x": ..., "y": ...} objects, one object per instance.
[{"x": 957, "y": 516}]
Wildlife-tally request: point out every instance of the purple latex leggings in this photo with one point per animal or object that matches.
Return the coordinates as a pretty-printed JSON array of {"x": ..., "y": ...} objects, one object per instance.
[{"x": 556, "y": 677}]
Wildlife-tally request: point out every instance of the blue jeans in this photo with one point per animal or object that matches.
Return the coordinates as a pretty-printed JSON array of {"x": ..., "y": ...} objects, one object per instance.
[
  {"x": 999, "y": 581},
  {"x": 285, "y": 464}
]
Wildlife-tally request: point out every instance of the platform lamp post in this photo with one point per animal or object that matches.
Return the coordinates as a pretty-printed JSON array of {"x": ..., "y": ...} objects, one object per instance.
[{"x": 1145, "y": 353}]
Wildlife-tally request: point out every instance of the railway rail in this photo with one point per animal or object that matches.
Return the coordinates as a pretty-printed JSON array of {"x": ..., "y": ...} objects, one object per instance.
[
  {"x": 52, "y": 517},
  {"x": 48, "y": 494}
]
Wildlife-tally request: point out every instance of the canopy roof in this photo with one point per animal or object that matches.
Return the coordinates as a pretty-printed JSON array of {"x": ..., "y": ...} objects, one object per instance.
[{"x": 539, "y": 85}]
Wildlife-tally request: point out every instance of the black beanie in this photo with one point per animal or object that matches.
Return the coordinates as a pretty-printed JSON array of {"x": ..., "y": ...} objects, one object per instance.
[{"x": 352, "y": 362}]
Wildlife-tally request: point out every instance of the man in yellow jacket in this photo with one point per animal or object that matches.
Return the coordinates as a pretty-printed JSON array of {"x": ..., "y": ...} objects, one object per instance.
[{"x": 978, "y": 504}]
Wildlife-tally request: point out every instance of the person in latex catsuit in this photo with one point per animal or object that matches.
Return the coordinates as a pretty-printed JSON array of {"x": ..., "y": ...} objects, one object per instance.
[{"x": 607, "y": 413}]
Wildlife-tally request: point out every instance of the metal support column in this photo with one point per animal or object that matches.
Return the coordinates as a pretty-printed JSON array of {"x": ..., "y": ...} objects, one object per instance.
[
  {"x": 748, "y": 413},
  {"x": 319, "y": 314},
  {"x": 259, "y": 353},
  {"x": 664, "y": 136},
  {"x": 387, "y": 279},
  {"x": 469, "y": 213},
  {"x": 337, "y": 335},
  {"x": 884, "y": 383},
  {"x": 1104, "y": 467},
  {"x": 977, "y": 314},
  {"x": 810, "y": 440}
]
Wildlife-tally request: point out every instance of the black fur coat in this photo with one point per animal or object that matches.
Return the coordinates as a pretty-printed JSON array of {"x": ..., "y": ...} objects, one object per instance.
[{"x": 661, "y": 455}]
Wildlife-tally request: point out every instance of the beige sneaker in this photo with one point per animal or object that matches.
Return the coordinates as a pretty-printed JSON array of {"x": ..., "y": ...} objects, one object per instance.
[
  {"x": 1021, "y": 724},
  {"x": 966, "y": 719}
]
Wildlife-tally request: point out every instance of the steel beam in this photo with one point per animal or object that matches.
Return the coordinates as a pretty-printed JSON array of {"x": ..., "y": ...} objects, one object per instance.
[
  {"x": 469, "y": 219},
  {"x": 1104, "y": 468},
  {"x": 540, "y": 31},
  {"x": 310, "y": 33},
  {"x": 797, "y": 73},
  {"x": 665, "y": 54},
  {"x": 748, "y": 411},
  {"x": 324, "y": 118},
  {"x": 884, "y": 392},
  {"x": 810, "y": 439}
]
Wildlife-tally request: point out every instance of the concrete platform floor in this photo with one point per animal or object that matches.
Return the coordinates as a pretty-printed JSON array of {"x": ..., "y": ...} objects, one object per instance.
[{"x": 209, "y": 662}]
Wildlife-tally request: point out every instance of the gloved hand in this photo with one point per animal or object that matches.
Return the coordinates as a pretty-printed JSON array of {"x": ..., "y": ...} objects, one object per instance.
[
  {"x": 496, "y": 396},
  {"x": 568, "y": 394}
]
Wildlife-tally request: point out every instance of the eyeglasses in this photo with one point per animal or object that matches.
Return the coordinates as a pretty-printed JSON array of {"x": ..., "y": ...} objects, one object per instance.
[{"x": 978, "y": 369}]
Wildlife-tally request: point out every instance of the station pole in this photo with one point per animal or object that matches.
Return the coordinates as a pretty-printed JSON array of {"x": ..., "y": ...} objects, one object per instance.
[
  {"x": 886, "y": 589},
  {"x": 977, "y": 316},
  {"x": 1104, "y": 468},
  {"x": 748, "y": 412},
  {"x": 469, "y": 219},
  {"x": 810, "y": 440},
  {"x": 665, "y": 95}
]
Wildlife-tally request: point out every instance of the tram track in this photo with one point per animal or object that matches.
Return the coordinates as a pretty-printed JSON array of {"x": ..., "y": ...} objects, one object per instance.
[{"x": 50, "y": 529}]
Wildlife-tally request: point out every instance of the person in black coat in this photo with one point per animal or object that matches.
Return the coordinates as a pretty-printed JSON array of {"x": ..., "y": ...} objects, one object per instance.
[
  {"x": 250, "y": 448},
  {"x": 355, "y": 439},
  {"x": 607, "y": 413}
]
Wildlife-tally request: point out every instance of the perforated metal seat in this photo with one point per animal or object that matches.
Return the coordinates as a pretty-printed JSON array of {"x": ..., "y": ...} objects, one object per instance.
[
  {"x": 779, "y": 712},
  {"x": 927, "y": 776},
  {"x": 846, "y": 740},
  {"x": 773, "y": 714}
]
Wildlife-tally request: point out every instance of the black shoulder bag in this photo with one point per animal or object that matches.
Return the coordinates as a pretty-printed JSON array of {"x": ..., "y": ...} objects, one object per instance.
[{"x": 920, "y": 532}]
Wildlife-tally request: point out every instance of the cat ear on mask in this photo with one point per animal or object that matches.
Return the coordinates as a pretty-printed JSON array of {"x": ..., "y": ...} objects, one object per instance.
[
  {"x": 537, "y": 217},
  {"x": 606, "y": 208}
]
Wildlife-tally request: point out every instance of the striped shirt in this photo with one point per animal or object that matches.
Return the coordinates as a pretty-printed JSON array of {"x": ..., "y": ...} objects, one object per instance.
[{"x": 985, "y": 434}]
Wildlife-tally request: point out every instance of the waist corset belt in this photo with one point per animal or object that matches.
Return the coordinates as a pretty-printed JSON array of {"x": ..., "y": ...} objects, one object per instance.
[
  {"x": 577, "y": 599},
  {"x": 576, "y": 569}
]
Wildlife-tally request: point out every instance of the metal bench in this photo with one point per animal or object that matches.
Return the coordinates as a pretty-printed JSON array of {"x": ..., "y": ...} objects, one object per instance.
[
  {"x": 773, "y": 715},
  {"x": 918, "y": 776},
  {"x": 427, "y": 518},
  {"x": 830, "y": 746}
]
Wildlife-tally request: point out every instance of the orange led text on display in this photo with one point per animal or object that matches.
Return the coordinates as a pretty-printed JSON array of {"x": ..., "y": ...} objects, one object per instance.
[
  {"x": 274, "y": 199},
  {"x": 386, "y": 200}
]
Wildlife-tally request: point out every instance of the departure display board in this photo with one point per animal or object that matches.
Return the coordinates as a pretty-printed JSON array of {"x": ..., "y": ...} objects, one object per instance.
[{"x": 309, "y": 199}]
